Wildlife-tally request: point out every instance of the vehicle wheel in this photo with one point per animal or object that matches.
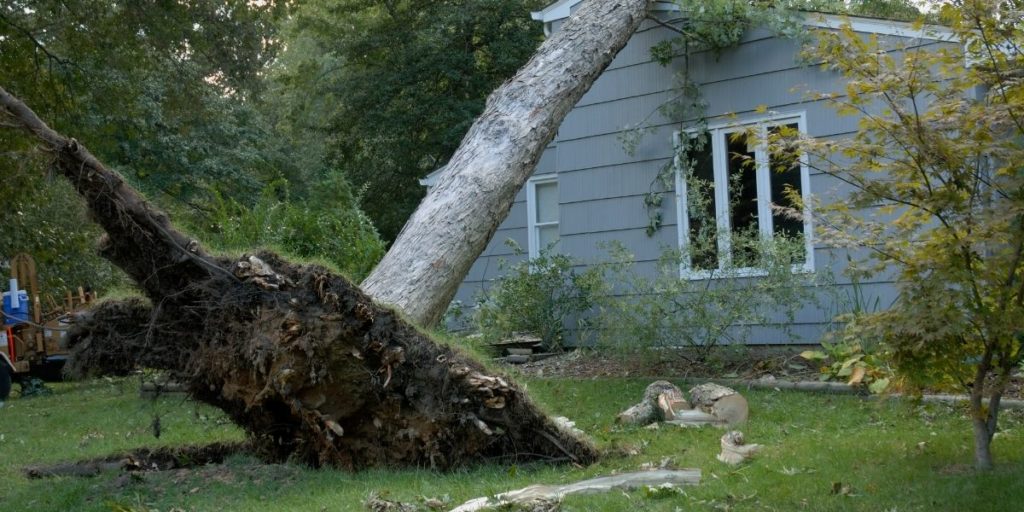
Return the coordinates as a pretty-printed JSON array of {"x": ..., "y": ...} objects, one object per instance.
[{"x": 5, "y": 381}]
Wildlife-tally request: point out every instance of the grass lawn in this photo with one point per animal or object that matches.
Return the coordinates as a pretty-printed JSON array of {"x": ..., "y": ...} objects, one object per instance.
[{"x": 892, "y": 455}]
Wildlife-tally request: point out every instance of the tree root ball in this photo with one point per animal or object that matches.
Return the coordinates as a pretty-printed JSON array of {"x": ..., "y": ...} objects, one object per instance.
[{"x": 317, "y": 372}]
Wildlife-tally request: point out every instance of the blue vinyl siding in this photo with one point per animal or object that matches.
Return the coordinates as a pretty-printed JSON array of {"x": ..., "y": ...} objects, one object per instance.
[{"x": 601, "y": 185}]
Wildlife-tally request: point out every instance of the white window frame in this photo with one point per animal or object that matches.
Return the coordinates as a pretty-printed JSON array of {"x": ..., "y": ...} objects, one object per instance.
[
  {"x": 533, "y": 227},
  {"x": 719, "y": 147}
]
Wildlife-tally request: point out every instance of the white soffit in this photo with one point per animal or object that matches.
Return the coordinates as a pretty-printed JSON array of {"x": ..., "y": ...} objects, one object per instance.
[{"x": 563, "y": 9}]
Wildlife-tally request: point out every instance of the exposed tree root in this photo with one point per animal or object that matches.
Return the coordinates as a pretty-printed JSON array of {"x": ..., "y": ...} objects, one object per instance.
[
  {"x": 143, "y": 459},
  {"x": 302, "y": 359}
]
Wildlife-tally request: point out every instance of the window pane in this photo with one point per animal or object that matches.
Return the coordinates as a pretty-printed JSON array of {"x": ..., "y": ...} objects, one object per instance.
[
  {"x": 547, "y": 201},
  {"x": 742, "y": 200},
  {"x": 699, "y": 172},
  {"x": 547, "y": 238},
  {"x": 785, "y": 182}
]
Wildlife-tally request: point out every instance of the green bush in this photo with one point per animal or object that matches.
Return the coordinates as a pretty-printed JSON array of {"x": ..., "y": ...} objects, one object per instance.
[
  {"x": 670, "y": 310},
  {"x": 539, "y": 296},
  {"x": 331, "y": 228},
  {"x": 852, "y": 351}
]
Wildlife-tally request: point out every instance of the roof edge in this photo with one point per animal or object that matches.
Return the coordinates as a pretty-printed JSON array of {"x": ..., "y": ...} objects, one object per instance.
[{"x": 563, "y": 9}]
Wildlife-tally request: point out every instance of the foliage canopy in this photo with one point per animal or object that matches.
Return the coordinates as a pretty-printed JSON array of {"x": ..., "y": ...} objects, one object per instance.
[
  {"x": 398, "y": 84},
  {"x": 181, "y": 98}
]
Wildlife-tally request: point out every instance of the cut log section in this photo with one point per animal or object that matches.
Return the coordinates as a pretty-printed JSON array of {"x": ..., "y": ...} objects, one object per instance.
[
  {"x": 661, "y": 401},
  {"x": 712, "y": 404},
  {"x": 546, "y": 497},
  {"x": 695, "y": 418},
  {"x": 735, "y": 450},
  {"x": 721, "y": 402}
]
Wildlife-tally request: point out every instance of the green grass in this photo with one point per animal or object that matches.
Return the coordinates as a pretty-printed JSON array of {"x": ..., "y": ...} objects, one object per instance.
[{"x": 811, "y": 442}]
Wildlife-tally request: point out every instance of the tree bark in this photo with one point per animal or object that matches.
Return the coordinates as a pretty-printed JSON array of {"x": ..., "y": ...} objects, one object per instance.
[
  {"x": 985, "y": 417},
  {"x": 982, "y": 444},
  {"x": 302, "y": 359},
  {"x": 980, "y": 414},
  {"x": 452, "y": 227}
]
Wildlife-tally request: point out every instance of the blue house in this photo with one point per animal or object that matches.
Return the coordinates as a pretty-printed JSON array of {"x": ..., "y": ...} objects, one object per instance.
[{"x": 588, "y": 189}]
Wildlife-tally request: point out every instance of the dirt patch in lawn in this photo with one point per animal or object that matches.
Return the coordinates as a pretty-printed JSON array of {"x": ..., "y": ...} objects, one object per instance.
[{"x": 143, "y": 460}]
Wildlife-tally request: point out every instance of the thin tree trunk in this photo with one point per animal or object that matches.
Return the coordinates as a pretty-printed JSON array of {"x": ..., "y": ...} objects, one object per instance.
[
  {"x": 453, "y": 225},
  {"x": 986, "y": 420},
  {"x": 982, "y": 443},
  {"x": 984, "y": 417}
]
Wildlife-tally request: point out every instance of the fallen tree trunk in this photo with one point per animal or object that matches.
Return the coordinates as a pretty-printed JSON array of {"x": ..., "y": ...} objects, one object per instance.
[
  {"x": 452, "y": 226},
  {"x": 302, "y": 359}
]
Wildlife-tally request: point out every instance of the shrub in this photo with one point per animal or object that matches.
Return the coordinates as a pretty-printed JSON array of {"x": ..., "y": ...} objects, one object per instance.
[
  {"x": 669, "y": 310},
  {"x": 334, "y": 229},
  {"x": 45, "y": 219},
  {"x": 539, "y": 296}
]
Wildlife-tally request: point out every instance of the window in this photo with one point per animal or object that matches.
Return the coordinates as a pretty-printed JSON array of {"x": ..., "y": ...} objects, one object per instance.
[
  {"x": 730, "y": 188},
  {"x": 542, "y": 216}
]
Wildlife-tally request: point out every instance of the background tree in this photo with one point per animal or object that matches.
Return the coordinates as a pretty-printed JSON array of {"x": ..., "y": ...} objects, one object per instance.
[
  {"x": 936, "y": 168},
  {"x": 181, "y": 98},
  {"x": 396, "y": 85},
  {"x": 130, "y": 80}
]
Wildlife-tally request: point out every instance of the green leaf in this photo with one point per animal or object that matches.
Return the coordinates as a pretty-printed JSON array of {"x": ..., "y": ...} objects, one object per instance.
[
  {"x": 814, "y": 355},
  {"x": 851, "y": 361}
]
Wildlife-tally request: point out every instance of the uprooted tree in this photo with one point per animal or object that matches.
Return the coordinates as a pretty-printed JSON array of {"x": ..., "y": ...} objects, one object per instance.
[{"x": 304, "y": 360}]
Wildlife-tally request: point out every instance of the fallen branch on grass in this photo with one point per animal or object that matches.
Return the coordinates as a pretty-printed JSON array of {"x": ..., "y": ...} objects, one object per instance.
[{"x": 550, "y": 495}]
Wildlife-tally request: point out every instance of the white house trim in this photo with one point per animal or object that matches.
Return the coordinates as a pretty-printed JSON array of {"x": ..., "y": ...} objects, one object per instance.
[
  {"x": 533, "y": 226},
  {"x": 722, "y": 218},
  {"x": 881, "y": 26},
  {"x": 431, "y": 179},
  {"x": 563, "y": 9}
]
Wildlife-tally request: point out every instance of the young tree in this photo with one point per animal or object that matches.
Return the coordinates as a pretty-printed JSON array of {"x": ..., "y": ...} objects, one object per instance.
[{"x": 938, "y": 159}]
